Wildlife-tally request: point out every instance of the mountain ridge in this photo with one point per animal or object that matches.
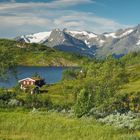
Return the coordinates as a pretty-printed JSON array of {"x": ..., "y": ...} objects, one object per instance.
[{"x": 88, "y": 43}]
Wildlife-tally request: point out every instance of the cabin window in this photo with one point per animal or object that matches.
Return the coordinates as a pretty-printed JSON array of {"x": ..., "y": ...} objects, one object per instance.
[
  {"x": 27, "y": 82},
  {"x": 24, "y": 82}
]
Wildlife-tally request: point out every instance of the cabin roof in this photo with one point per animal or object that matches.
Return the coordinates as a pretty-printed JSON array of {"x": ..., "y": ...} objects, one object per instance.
[{"x": 31, "y": 79}]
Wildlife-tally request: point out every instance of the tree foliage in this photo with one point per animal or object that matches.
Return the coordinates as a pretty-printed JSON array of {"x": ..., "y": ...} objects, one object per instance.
[
  {"x": 102, "y": 82},
  {"x": 7, "y": 63},
  {"x": 83, "y": 103}
]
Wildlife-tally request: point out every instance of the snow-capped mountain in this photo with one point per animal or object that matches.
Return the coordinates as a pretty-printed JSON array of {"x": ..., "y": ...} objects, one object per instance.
[
  {"x": 35, "y": 38},
  {"x": 88, "y": 43},
  {"x": 63, "y": 41}
]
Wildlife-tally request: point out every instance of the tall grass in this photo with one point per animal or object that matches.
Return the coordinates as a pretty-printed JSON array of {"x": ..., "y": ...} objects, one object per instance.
[{"x": 54, "y": 126}]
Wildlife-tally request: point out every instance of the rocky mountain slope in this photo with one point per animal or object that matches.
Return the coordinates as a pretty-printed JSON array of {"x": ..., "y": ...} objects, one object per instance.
[{"x": 88, "y": 43}]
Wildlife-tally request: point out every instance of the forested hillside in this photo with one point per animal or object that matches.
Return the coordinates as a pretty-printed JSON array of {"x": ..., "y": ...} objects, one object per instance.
[{"x": 38, "y": 55}]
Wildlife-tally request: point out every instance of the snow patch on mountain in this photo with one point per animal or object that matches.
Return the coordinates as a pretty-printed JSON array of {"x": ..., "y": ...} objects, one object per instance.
[
  {"x": 138, "y": 43},
  {"x": 25, "y": 39},
  {"x": 126, "y": 33},
  {"x": 36, "y": 38},
  {"x": 87, "y": 42},
  {"x": 84, "y": 33},
  {"x": 113, "y": 35},
  {"x": 51, "y": 39}
]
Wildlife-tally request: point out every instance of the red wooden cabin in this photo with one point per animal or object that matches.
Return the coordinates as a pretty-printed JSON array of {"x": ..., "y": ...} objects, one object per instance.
[{"x": 27, "y": 82}]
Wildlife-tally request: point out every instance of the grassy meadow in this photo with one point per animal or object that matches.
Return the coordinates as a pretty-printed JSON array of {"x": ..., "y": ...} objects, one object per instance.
[
  {"x": 100, "y": 89},
  {"x": 54, "y": 126}
]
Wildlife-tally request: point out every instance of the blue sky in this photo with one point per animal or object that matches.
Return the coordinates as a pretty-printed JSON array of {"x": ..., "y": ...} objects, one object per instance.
[{"x": 18, "y": 17}]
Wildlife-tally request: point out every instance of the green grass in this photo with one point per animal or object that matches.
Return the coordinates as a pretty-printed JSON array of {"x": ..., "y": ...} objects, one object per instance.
[
  {"x": 39, "y": 55},
  {"x": 55, "y": 95},
  {"x": 52, "y": 126},
  {"x": 42, "y": 59},
  {"x": 134, "y": 79},
  {"x": 131, "y": 87}
]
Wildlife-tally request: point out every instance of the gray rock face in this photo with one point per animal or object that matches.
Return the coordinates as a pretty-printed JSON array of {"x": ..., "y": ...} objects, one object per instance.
[
  {"x": 123, "y": 45},
  {"x": 88, "y": 43},
  {"x": 62, "y": 41}
]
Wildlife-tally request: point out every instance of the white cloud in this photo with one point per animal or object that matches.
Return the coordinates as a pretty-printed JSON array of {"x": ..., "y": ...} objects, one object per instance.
[
  {"x": 65, "y": 3},
  {"x": 87, "y": 21},
  {"x": 23, "y": 18},
  {"x": 56, "y": 4},
  {"x": 19, "y": 21}
]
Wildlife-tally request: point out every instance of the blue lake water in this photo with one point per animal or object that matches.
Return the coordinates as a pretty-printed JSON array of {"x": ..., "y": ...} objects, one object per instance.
[{"x": 50, "y": 74}]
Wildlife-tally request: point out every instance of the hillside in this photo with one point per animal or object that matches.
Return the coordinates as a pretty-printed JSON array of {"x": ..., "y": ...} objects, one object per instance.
[
  {"x": 39, "y": 55},
  {"x": 132, "y": 61},
  {"x": 63, "y": 93}
]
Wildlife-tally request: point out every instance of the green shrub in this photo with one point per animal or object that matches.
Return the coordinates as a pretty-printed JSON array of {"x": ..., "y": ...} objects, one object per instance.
[
  {"x": 35, "y": 101},
  {"x": 83, "y": 103},
  {"x": 5, "y": 95},
  {"x": 70, "y": 74},
  {"x": 13, "y": 103},
  {"x": 127, "y": 101},
  {"x": 128, "y": 120}
]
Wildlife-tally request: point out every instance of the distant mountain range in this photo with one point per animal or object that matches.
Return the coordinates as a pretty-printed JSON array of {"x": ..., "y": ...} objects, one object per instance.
[{"x": 88, "y": 43}]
